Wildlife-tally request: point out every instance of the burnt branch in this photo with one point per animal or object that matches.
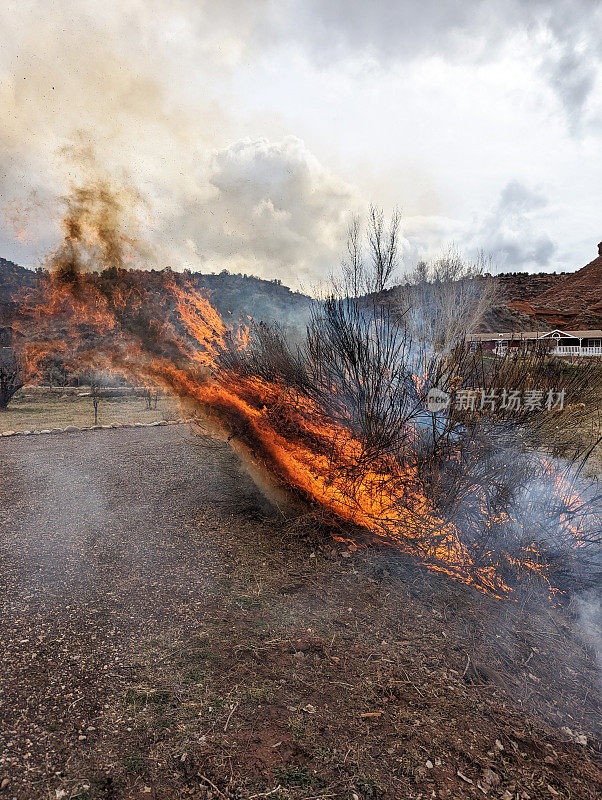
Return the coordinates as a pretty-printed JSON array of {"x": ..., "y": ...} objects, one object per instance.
[{"x": 11, "y": 376}]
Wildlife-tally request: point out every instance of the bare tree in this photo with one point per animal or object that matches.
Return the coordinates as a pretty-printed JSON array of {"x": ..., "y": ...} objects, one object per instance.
[
  {"x": 354, "y": 277},
  {"x": 371, "y": 259},
  {"x": 383, "y": 243},
  {"x": 446, "y": 299},
  {"x": 11, "y": 379}
]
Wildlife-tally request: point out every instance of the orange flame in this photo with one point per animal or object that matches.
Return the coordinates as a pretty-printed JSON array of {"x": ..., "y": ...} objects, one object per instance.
[
  {"x": 174, "y": 337},
  {"x": 287, "y": 433}
]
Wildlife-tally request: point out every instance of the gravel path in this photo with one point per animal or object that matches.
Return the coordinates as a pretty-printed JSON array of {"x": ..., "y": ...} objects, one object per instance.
[
  {"x": 107, "y": 538},
  {"x": 162, "y": 637},
  {"x": 110, "y": 519}
]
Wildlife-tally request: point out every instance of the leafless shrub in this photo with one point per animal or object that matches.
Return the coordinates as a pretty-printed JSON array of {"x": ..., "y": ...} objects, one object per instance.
[
  {"x": 11, "y": 377},
  {"x": 359, "y": 367},
  {"x": 268, "y": 356},
  {"x": 513, "y": 509}
]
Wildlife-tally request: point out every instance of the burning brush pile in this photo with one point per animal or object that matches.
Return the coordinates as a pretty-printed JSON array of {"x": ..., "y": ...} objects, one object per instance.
[{"x": 341, "y": 419}]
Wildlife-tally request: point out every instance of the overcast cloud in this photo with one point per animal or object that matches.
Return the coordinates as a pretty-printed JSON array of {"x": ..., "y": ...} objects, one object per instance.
[
  {"x": 513, "y": 232},
  {"x": 564, "y": 35},
  {"x": 254, "y": 130}
]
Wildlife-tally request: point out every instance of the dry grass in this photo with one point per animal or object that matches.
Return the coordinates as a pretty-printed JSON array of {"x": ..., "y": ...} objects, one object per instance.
[
  {"x": 591, "y": 431},
  {"x": 36, "y": 409},
  {"x": 581, "y": 420}
]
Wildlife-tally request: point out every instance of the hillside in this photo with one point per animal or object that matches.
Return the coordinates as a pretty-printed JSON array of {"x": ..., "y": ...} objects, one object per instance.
[
  {"x": 572, "y": 303},
  {"x": 235, "y": 296},
  {"x": 517, "y": 287},
  {"x": 240, "y": 296},
  {"x": 527, "y": 286},
  {"x": 13, "y": 280},
  {"x": 544, "y": 301},
  {"x": 525, "y": 301}
]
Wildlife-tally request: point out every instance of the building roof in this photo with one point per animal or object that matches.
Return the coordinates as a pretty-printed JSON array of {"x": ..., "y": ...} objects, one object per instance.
[{"x": 521, "y": 335}]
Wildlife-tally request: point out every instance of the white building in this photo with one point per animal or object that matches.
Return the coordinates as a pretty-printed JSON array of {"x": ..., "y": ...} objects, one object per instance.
[{"x": 576, "y": 344}]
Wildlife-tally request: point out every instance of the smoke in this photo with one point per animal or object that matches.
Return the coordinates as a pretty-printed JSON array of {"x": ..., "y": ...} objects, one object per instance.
[
  {"x": 512, "y": 229},
  {"x": 155, "y": 89},
  {"x": 102, "y": 224},
  {"x": 284, "y": 211},
  {"x": 84, "y": 87},
  {"x": 589, "y": 616},
  {"x": 275, "y": 210},
  {"x": 513, "y": 232},
  {"x": 66, "y": 87}
]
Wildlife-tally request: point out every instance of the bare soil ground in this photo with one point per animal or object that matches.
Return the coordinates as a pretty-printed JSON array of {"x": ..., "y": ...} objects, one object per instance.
[{"x": 165, "y": 634}]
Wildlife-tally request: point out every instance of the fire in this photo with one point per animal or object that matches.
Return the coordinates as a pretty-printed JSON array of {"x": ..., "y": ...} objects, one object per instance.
[
  {"x": 93, "y": 321},
  {"x": 243, "y": 335},
  {"x": 202, "y": 323},
  {"x": 162, "y": 332}
]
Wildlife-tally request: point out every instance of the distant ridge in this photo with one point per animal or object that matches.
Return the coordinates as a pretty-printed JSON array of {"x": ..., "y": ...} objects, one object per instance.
[
  {"x": 13, "y": 278},
  {"x": 574, "y": 302},
  {"x": 545, "y": 300},
  {"x": 235, "y": 296}
]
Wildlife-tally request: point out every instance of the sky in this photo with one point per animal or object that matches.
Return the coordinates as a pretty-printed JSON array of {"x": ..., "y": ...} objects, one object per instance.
[{"x": 248, "y": 134}]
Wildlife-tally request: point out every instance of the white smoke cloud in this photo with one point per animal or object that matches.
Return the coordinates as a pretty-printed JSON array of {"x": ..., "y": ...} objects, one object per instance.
[
  {"x": 513, "y": 232},
  {"x": 105, "y": 80},
  {"x": 277, "y": 210}
]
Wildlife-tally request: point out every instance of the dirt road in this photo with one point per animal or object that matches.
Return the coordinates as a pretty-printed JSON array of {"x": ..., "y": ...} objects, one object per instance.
[
  {"x": 105, "y": 542},
  {"x": 163, "y": 636}
]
